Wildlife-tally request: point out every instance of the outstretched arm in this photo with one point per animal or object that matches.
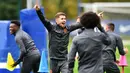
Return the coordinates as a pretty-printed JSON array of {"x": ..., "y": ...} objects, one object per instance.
[
  {"x": 74, "y": 26},
  {"x": 106, "y": 39},
  {"x": 78, "y": 25},
  {"x": 20, "y": 43},
  {"x": 120, "y": 46},
  {"x": 46, "y": 22}
]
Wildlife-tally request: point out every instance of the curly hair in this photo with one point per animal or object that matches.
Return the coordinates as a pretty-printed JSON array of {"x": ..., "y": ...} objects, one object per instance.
[{"x": 90, "y": 20}]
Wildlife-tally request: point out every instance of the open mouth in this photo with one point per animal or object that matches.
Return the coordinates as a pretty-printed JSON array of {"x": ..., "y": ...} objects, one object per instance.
[
  {"x": 11, "y": 31},
  {"x": 63, "y": 23}
]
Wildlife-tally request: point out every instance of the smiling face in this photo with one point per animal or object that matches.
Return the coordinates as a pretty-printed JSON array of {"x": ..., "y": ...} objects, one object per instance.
[
  {"x": 13, "y": 28},
  {"x": 61, "y": 20}
]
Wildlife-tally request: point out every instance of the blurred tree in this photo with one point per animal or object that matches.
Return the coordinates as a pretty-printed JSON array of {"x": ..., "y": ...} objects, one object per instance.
[
  {"x": 53, "y": 6},
  {"x": 9, "y": 9},
  {"x": 67, "y": 6}
]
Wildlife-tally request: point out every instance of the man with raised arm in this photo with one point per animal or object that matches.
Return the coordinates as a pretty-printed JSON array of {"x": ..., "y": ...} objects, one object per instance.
[{"x": 58, "y": 40}]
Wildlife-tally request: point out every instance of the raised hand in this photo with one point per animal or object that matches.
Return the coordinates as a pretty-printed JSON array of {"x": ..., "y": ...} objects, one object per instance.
[
  {"x": 78, "y": 19},
  {"x": 37, "y": 7},
  {"x": 100, "y": 14}
]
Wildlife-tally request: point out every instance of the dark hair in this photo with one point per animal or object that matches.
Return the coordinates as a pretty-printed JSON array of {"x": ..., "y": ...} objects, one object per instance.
[
  {"x": 90, "y": 20},
  {"x": 16, "y": 22},
  {"x": 59, "y": 14},
  {"x": 111, "y": 26}
]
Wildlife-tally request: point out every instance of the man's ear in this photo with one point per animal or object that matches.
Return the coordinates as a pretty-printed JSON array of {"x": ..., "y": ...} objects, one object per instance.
[{"x": 56, "y": 19}]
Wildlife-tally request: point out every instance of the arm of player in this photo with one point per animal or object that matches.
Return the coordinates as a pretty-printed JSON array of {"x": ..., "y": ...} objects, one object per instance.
[
  {"x": 74, "y": 26},
  {"x": 106, "y": 39},
  {"x": 22, "y": 50},
  {"x": 81, "y": 30},
  {"x": 46, "y": 22},
  {"x": 120, "y": 45},
  {"x": 79, "y": 25},
  {"x": 72, "y": 55}
]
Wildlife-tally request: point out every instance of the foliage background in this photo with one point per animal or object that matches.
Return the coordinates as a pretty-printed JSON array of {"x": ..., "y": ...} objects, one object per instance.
[{"x": 9, "y": 9}]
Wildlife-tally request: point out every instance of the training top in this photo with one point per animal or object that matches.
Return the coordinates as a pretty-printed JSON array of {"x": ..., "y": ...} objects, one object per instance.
[
  {"x": 89, "y": 45},
  {"x": 109, "y": 50},
  {"x": 58, "y": 39},
  {"x": 26, "y": 45}
]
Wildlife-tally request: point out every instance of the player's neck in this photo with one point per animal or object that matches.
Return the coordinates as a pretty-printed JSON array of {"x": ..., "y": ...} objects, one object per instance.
[{"x": 16, "y": 32}]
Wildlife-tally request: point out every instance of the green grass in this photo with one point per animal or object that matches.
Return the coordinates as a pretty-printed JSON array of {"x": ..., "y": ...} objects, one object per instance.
[{"x": 127, "y": 69}]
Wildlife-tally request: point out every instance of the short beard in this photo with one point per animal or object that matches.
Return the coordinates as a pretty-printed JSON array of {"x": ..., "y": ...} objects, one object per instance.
[{"x": 62, "y": 25}]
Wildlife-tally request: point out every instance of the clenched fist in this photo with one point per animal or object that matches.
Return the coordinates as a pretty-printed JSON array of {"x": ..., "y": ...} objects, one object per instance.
[
  {"x": 37, "y": 7},
  {"x": 100, "y": 14}
]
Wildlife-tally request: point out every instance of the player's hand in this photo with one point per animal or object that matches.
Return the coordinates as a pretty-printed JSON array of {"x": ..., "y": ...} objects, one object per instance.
[
  {"x": 14, "y": 65},
  {"x": 100, "y": 14},
  {"x": 117, "y": 61},
  {"x": 37, "y": 7},
  {"x": 78, "y": 19},
  {"x": 126, "y": 50}
]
